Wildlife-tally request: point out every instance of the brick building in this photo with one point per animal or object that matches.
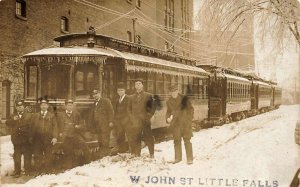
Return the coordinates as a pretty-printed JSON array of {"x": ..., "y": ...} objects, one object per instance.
[{"x": 32, "y": 25}]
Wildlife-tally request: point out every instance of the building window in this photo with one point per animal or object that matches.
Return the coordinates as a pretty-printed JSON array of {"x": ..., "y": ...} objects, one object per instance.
[
  {"x": 185, "y": 18},
  {"x": 64, "y": 24},
  {"x": 129, "y": 36},
  {"x": 138, "y": 39},
  {"x": 138, "y": 3},
  {"x": 169, "y": 15},
  {"x": 21, "y": 8}
]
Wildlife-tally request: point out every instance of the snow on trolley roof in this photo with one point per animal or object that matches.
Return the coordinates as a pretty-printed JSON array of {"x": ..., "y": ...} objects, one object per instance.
[
  {"x": 161, "y": 63},
  {"x": 72, "y": 51},
  {"x": 236, "y": 77},
  {"x": 261, "y": 83}
]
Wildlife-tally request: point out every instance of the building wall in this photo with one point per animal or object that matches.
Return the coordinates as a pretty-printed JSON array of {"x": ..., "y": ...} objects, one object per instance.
[{"x": 42, "y": 24}]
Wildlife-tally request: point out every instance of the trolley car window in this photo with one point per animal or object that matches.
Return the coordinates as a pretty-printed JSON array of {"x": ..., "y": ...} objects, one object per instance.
[
  {"x": 130, "y": 81},
  {"x": 196, "y": 87},
  {"x": 31, "y": 81},
  {"x": 159, "y": 84},
  {"x": 79, "y": 81},
  {"x": 167, "y": 83},
  {"x": 185, "y": 85},
  {"x": 205, "y": 91},
  {"x": 151, "y": 82},
  {"x": 190, "y": 89},
  {"x": 55, "y": 81},
  {"x": 180, "y": 84},
  {"x": 85, "y": 79}
]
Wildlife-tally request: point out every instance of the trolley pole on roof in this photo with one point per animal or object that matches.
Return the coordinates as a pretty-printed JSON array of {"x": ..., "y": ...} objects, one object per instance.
[{"x": 133, "y": 29}]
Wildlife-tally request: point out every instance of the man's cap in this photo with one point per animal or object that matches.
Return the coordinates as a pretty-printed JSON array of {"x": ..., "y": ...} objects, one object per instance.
[
  {"x": 173, "y": 88},
  {"x": 139, "y": 80},
  {"x": 121, "y": 85},
  {"x": 67, "y": 101},
  {"x": 95, "y": 91},
  {"x": 19, "y": 103},
  {"x": 43, "y": 101}
]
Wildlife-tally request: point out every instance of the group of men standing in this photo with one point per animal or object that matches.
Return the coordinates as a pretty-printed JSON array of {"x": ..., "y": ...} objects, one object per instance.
[
  {"x": 35, "y": 134},
  {"x": 130, "y": 117}
]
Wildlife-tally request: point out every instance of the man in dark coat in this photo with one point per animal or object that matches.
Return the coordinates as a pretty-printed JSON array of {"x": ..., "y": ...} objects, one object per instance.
[
  {"x": 141, "y": 110},
  {"x": 122, "y": 121},
  {"x": 45, "y": 132},
  {"x": 20, "y": 129},
  {"x": 70, "y": 126},
  {"x": 102, "y": 119},
  {"x": 180, "y": 115}
]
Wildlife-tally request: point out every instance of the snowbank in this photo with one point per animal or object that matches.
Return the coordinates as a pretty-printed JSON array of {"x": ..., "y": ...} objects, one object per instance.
[{"x": 258, "y": 151}]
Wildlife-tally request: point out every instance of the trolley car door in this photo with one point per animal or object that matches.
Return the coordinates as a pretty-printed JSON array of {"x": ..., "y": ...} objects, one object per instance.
[{"x": 112, "y": 75}]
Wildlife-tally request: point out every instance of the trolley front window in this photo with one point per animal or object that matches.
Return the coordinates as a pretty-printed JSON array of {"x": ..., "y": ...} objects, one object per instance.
[
  {"x": 55, "y": 81},
  {"x": 86, "y": 79}
]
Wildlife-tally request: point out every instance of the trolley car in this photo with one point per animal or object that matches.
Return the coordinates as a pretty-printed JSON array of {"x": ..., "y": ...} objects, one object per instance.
[
  {"x": 85, "y": 61},
  {"x": 234, "y": 95},
  {"x": 229, "y": 95}
]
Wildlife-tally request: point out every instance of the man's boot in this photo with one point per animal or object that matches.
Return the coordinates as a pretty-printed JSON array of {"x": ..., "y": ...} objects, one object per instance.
[
  {"x": 178, "y": 151},
  {"x": 189, "y": 152}
]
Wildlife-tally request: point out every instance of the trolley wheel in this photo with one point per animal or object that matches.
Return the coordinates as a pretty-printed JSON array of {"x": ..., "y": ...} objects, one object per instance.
[
  {"x": 227, "y": 119},
  {"x": 196, "y": 126}
]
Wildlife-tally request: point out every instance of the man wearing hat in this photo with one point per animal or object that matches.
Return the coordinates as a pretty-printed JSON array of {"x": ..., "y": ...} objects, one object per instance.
[
  {"x": 20, "y": 129},
  {"x": 180, "y": 115},
  {"x": 102, "y": 117},
  {"x": 45, "y": 131},
  {"x": 70, "y": 125},
  {"x": 122, "y": 120},
  {"x": 141, "y": 110}
]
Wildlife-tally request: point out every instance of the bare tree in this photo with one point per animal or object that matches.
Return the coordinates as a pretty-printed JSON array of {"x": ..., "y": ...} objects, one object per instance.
[
  {"x": 226, "y": 40},
  {"x": 225, "y": 18}
]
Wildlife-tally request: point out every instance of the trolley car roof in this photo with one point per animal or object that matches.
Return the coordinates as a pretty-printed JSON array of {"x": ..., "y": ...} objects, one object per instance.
[
  {"x": 134, "y": 62},
  {"x": 233, "y": 77}
]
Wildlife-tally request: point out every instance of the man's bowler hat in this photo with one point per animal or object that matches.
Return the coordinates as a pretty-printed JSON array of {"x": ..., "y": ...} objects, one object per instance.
[
  {"x": 95, "y": 91},
  {"x": 121, "y": 85},
  {"x": 20, "y": 103},
  {"x": 67, "y": 101},
  {"x": 173, "y": 88},
  {"x": 43, "y": 101},
  {"x": 139, "y": 80}
]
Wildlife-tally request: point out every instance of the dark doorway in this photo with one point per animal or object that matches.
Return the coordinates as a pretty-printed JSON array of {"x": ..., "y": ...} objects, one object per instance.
[{"x": 6, "y": 99}]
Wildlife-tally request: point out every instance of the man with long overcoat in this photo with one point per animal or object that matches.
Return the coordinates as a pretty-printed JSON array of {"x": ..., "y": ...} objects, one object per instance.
[
  {"x": 102, "y": 117},
  {"x": 180, "y": 115},
  {"x": 70, "y": 126},
  {"x": 122, "y": 124},
  {"x": 141, "y": 110},
  {"x": 45, "y": 134},
  {"x": 19, "y": 126}
]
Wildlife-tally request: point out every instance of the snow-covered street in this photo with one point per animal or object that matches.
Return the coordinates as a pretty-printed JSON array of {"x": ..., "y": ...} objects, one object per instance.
[{"x": 256, "y": 152}]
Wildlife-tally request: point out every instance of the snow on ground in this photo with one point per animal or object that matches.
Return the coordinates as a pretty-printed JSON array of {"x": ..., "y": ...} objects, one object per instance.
[
  {"x": 256, "y": 152},
  {"x": 6, "y": 152}
]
